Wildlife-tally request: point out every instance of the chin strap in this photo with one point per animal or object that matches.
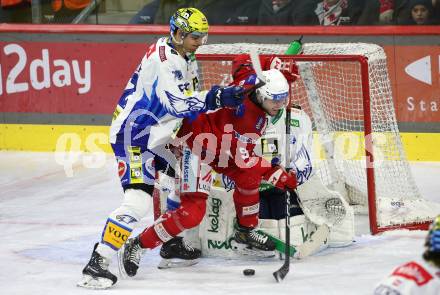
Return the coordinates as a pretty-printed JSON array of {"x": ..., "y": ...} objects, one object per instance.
[{"x": 174, "y": 39}]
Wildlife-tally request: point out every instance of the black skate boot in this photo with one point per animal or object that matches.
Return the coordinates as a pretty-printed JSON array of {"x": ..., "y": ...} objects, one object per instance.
[
  {"x": 96, "y": 274},
  {"x": 177, "y": 253},
  {"x": 249, "y": 241},
  {"x": 129, "y": 257}
]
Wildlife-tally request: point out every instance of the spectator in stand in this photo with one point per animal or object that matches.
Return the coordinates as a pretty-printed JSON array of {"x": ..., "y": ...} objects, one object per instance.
[
  {"x": 286, "y": 12},
  {"x": 346, "y": 12},
  {"x": 421, "y": 12},
  {"x": 166, "y": 8},
  {"x": 386, "y": 12},
  {"x": 402, "y": 11},
  {"x": 15, "y": 11},
  {"x": 229, "y": 12},
  {"x": 146, "y": 14},
  {"x": 65, "y": 11},
  {"x": 219, "y": 12}
]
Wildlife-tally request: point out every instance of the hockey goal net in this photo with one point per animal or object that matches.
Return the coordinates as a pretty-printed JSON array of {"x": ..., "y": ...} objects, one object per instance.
[{"x": 346, "y": 91}]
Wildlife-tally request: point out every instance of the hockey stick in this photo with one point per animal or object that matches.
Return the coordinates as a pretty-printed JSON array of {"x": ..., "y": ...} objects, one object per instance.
[
  {"x": 256, "y": 65},
  {"x": 255, "y": 87},
  {"x": 284, "y": 269},
  {"x": 282, "y": 272}
]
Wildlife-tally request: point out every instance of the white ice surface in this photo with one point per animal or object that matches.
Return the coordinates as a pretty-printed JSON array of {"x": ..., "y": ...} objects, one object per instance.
[{"x": 49, "y": 223}]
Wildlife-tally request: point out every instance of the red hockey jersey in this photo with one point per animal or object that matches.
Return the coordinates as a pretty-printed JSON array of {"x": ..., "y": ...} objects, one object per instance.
[{"x": 227, "y": 134}]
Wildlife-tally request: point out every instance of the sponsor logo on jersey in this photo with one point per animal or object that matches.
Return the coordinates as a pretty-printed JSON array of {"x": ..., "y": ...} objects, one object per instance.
[
  {"x": 243, "y": 139},
  {"x": 162, "y": 55},
  {"x": 188, "y": 183},
  {"x": 269, "y": 146},
  {"x": 135, "y": 173},
  {"x": 184, "y": 87},
  {"x": 205, "y": 181},
  {"x": 122, "y": 168},
  {"x": 213, "y": 216},
  {"x": 125, "y": 218},
  {"x": 294, "y": 122},
  {"x": 162, "y": 233},
  {"x": 135, "y": 164},
  {"x": 260, "y": 123},
  {"x": 414, "y": 272},
  {"x": 177, "y": 74},
  {"x": 250, "y": 210},
  {"x": 135, "y": 154}
]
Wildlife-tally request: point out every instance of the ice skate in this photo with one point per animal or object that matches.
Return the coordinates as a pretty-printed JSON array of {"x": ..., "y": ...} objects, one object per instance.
[
  {"x": 248, "y": 241},
  {"x": 177, "y": 253},
  {"x": 96, "y": 274},
  {"x": 129, "y": 257}
]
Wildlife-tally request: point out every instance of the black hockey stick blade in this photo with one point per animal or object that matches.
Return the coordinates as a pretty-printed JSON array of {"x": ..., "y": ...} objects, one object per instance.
[{"x": 280, "y": 274}]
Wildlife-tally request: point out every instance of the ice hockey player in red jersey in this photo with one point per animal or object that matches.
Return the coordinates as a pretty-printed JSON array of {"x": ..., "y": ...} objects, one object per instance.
[
  {"x": 224, "y": 141},
  {"x": 418, "y": 277}
]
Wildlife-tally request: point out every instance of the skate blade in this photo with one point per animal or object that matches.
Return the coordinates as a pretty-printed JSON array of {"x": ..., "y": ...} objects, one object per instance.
[
  {"x": 244, "y": 249},
  {"x": 176, "y": 263},
  {"x": 90, "y": 282},
  {"x": 121, "y": 268}
]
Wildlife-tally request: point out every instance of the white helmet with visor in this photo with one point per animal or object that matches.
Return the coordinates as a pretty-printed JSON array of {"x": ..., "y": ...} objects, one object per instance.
[{"x": 276, "y": 87}]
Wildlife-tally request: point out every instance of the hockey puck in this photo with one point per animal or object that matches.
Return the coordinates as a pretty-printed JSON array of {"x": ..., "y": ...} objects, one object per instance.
[{"x": 249, "y": 272}]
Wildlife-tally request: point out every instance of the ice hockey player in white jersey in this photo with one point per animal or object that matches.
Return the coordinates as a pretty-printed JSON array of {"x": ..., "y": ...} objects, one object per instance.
[
  {"x": 420, "y": 276},
  {"x": 162, "y": 91}
]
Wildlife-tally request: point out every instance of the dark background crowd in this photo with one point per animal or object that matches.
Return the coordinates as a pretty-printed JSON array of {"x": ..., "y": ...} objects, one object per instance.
[{"x": 242, "y": 12}]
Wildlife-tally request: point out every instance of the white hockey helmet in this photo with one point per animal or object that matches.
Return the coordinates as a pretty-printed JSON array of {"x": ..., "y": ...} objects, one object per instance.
[{"x": 276, "y": 88}]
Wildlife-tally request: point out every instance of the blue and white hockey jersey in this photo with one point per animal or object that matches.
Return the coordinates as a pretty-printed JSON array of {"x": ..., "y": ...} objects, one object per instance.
[
  {"x": 162, "y": 91},
  {"x": 273, "y": 143}
]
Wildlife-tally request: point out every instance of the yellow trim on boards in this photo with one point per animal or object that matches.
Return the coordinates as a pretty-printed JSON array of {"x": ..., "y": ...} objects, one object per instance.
[{"x": 51, "y": 138}]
